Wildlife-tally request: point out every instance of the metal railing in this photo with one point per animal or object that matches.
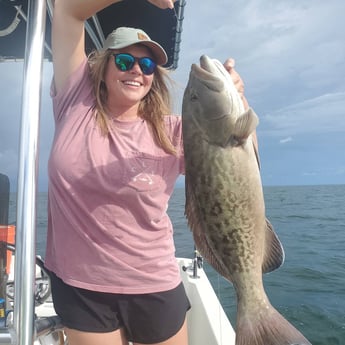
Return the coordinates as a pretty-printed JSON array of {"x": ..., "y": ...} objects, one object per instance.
[{"x": 23, "y": 317}]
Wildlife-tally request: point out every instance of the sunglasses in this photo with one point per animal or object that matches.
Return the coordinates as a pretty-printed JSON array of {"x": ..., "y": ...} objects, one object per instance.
[{"x": 125, "y": 62}]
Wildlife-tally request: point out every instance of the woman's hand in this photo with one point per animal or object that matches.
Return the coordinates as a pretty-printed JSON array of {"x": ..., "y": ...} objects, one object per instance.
[
  {"x": 229, "y": 65},
  {"x": 163, "y": 3}
]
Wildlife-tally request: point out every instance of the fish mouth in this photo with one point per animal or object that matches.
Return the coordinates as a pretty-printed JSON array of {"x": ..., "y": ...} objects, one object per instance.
[
  {"x": 207, "y": 63},
  {"x": 209, "y": 73}
]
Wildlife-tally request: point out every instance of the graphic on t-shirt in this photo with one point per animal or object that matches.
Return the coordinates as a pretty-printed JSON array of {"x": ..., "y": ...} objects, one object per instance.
[{"x": 142, "y": 171}]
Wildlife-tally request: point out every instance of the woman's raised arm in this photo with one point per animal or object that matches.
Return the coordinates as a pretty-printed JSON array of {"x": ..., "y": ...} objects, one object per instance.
[{"x": 68, "y": 37}]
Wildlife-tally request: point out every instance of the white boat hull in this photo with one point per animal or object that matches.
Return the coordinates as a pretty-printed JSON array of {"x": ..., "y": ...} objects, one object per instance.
[{"x": 206, "y": 320}]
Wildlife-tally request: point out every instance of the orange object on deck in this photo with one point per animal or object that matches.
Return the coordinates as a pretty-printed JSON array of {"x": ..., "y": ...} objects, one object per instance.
[{"x": 7, "y": 234}]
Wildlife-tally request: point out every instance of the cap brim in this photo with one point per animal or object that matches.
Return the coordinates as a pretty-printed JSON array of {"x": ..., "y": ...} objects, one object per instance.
[{"x": 157, "y": 50}]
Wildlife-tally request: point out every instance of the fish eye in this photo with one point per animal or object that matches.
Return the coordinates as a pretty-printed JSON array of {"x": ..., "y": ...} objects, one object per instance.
[{"x": 193, "y": 97}]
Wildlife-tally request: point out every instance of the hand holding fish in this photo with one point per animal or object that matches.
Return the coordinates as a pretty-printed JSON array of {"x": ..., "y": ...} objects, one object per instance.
[
  {"x": 162, "y": 3},
  {"x": 229, "y": 65}
]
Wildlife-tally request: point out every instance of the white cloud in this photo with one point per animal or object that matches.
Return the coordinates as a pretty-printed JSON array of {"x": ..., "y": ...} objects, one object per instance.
[
  {"x": 323, "y": 114},
  {"x": 278, "y": 43},
  {"x": 285, "y": 140},
  {"x": 309, "y": 174},
  {"x": 340, "y": 170}
]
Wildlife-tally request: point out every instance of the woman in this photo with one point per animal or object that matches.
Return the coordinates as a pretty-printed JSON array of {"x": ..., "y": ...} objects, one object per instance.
[{"x": 114, "y": 161}]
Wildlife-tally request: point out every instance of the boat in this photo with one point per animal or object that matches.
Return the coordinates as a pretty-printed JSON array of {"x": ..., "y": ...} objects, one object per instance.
[
  {"x": 27, "y": 314},
  {"x": 206, "y": 320}
]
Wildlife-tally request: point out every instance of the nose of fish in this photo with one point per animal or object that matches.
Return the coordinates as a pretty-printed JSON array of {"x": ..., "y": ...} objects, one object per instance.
[{"x": 206, "y": 63}]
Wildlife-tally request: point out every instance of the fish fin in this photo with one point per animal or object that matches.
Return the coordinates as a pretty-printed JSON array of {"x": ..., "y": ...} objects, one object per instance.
[
  {"x": 274, "y": 252},
  {"x": 267, "y": 327},
  {"x": 192, "y": 210},
  {"x": 257, "y": 156},
  {"x": 245, "y": 125}
]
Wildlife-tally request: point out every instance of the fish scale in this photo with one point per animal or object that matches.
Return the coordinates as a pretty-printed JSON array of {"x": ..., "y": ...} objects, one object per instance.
[
  {"x": 219, "y": 208},
  {"x": 225, "y": 205}
]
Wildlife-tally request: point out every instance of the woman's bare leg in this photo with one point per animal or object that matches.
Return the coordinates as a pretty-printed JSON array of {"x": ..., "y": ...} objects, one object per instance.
[{"x": 76, "y": 337}]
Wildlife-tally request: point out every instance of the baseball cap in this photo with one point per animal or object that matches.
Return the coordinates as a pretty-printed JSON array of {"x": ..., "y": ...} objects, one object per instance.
[{"x": 123, "y": 37}]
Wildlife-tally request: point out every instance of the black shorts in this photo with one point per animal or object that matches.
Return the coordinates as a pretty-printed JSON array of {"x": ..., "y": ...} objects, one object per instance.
[{"x": 146, "y": 318}]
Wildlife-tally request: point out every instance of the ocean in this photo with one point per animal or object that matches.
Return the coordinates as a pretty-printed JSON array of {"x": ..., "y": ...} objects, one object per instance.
[{"x": 309, "y": 289}]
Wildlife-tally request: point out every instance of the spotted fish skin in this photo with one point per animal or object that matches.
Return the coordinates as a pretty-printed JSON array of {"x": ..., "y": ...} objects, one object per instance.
[{"x": 225, "y": 203}]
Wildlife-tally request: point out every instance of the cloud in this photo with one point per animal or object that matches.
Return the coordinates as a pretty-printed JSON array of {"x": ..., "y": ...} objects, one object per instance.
[
  {"x": 285, "y": 140},
  {"x": 323, "y": 114},
  {"x": 286, "y": 50},
  {"x": 309, "y": 174}
]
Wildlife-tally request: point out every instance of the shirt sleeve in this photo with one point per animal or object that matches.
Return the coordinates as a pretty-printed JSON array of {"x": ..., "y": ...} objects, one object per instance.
[{"x": 77, "y": 89}]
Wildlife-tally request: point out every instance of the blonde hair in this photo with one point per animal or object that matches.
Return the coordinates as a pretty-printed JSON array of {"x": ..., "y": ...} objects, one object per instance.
[{"x": 153, "y": 107}]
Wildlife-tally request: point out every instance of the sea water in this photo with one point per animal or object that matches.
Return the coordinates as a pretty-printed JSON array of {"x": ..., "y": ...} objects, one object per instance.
[{"x": 309, "y": 289}]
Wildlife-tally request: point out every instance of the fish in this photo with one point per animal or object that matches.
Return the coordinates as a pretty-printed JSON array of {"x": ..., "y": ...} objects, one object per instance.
[{"x": 225, "y": 206}]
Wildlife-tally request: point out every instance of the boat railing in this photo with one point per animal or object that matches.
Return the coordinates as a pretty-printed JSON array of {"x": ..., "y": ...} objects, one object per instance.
[
  {"x": 22, "y": 330},
  {"x": 197, "y": 263},
  {"x": 48, "y": 325},
  {"x": 43, "y": 325}
]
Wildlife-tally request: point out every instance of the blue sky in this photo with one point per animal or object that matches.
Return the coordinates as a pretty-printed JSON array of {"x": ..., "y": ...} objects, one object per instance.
[{"x": 291, "y": 55}]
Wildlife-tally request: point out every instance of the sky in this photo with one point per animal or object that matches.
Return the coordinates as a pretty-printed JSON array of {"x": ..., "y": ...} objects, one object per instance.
[{"x": 291, "y": 56}]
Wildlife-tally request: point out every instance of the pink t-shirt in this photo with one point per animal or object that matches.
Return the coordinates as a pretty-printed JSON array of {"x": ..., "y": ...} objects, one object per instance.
[{"x": 108, "y": 229}]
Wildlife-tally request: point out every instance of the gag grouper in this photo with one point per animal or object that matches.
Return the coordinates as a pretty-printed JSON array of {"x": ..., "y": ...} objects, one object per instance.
[{"x": 225, "y": 204}]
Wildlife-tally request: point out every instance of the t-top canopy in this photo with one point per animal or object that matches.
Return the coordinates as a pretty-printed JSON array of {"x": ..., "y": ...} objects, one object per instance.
[{"x": 163, "y": 26}]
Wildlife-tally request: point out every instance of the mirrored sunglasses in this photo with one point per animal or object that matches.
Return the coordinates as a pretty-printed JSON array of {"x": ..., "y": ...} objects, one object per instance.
[{"x": 125, "y": 62}]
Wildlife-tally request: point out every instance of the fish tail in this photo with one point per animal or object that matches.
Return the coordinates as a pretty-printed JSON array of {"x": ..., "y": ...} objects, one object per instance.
[{"x": 268, "y": 327}]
